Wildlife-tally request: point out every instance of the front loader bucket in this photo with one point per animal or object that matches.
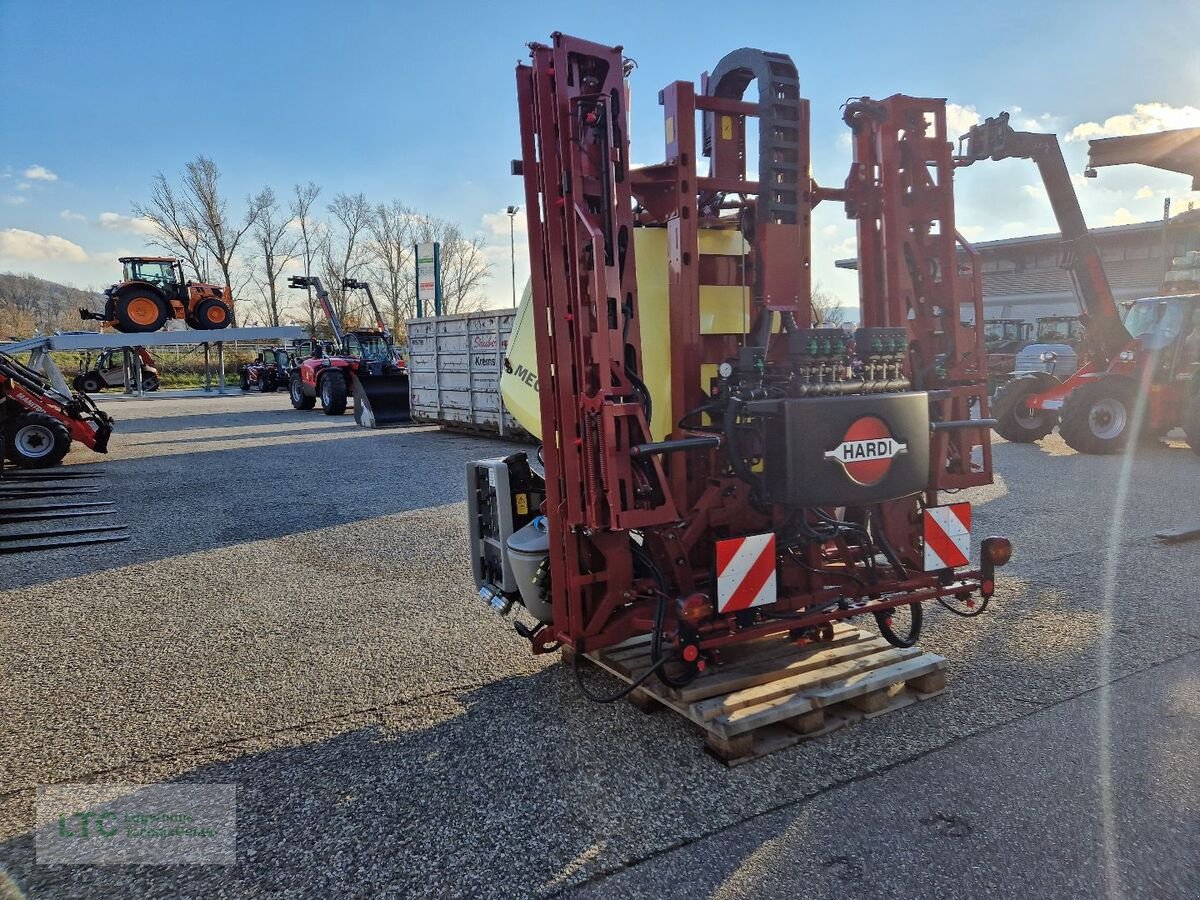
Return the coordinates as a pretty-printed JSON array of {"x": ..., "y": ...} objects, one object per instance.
[{"x": 381, "y": 400}]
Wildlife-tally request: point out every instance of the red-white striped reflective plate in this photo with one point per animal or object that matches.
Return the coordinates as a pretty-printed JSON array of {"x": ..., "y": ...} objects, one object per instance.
[
  {"x": 947, "y": 532},
  {"x": 745, "y": 572}
]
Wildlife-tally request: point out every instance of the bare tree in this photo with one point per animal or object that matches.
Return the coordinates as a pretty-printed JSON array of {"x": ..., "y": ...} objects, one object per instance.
[
  {"x": 825, "y": 308},
  {"x": 170, "y": 213},
  {"x": 311, "y": 237},
  {"x": 344, "y": 252},
  {"x": 275, "y": 245},
  {"x": 464, "y": 268},
  {"x": 208, "y": 216},
  {"x": 391, "y": 253}
]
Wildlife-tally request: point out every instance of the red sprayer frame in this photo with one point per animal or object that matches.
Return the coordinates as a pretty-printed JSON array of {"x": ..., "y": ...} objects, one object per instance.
[{"x": 631, "y": 521}]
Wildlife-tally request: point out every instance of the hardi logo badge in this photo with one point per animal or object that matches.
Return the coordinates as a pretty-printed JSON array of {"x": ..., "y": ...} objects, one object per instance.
[{"x": 867, "y": 451}]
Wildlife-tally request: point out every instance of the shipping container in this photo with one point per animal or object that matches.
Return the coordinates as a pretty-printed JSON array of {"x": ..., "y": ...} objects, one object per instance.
[{"x": 454, "y": 365}]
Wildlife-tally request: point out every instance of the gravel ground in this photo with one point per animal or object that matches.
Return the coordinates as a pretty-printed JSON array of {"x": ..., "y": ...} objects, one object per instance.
[{"x": 295, "y": 615}]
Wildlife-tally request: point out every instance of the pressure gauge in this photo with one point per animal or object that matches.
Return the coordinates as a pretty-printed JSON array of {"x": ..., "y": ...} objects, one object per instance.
[{"x": 725, "y": 370}]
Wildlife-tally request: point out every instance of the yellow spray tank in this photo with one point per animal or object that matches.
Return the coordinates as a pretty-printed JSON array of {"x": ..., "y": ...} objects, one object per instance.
[{"x": 719, "y": 314}]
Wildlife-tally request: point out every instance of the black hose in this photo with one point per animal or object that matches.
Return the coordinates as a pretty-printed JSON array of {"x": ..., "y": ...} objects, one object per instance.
[
  {"x": 624, "y": 692},
  {"x": 882, "y": 620},
  {"x": 966, "y": 615},
  {"x": 740, "y": 469},
  {"x": 886, "y": 545}
]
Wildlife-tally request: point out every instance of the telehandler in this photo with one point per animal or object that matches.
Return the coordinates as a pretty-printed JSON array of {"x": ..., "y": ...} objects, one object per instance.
[{"x": 1141, "y": 370}]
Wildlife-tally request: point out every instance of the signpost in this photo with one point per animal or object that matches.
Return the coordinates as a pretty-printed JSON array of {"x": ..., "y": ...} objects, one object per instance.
[{"x": 429, "y": 277}]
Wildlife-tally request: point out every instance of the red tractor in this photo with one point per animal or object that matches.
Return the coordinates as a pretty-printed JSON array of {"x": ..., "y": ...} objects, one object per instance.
[
  {"x": 153, "y": 290},
  {"x": 1141, "y": 372},
  {"x": 38, "y": 423},
  {"x": 1003, "y": 339},
  {"x": 365, "y": 365},
  {"x": 270, "y": 371}
]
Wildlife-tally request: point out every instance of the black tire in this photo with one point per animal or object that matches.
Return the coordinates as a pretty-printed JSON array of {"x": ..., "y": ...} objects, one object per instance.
[
  {"x": 333, "y": 393},
  {"x": 151, "y": 383},
  {"x": 89, "y": 383},
  {"x": 36, "y": 440},
  {"x": 245, "y": 380},
  {"x": 886, "y": 626},
  {"x": 132, "y": 311},
  {"x": 1097, "y": 417},
  {"x": 1191, "y": 424},
  {"x": 300, "y": 400},
  {"x": 212, "y": 314},
  {"x": 1015, "y": 421}
]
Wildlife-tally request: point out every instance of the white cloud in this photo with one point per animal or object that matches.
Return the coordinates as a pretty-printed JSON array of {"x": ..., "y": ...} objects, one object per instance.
[
  {"x": 72, "y": 216},
  {"x": 1044, "y": 123},
  {"x": 960, "y": 118},
  {"x": 496, "y": 224},
  {"x": 1145, "y": 118},
  {"x": 39, "y": 173},
  {"x": 19, "y": 244},
  {"x": 1145, "y": 192},
  {"x": 829, "y": 230},
  {"x": 1036, "y": 191},
  {"x": 1121, "y": 217},
  {"x": 971, "y": 232},
  {"x": 14, "y": 200},
  {"x": 111, "y": 221}
]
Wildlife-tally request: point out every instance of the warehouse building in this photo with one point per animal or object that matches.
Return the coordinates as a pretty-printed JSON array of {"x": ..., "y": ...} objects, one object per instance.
[{"x": 1023, "y": 277}]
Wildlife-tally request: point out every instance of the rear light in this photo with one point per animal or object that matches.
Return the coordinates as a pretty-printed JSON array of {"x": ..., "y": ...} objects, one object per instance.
[
  {"x": 694, "y": 609},
  {"x": 997, "y": 550}
]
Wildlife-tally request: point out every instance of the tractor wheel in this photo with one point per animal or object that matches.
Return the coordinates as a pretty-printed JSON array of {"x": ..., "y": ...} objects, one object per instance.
[
  {"x": 1097, "y": 417},
  {"x": 212, "y": 314},
  {"x": 89, "y": 383},
  {"x": 333, "y": 394},
  {"x": 140, "y": 310},
  {"x": 300, "y": 400},
  {"x": 151, "y": 383},
  {"x": 1191, "y": 424},
  {"x": 36, "y": 440},
  {"x": 1015, "y": 421},
  {"x": 245, "y": 380}
]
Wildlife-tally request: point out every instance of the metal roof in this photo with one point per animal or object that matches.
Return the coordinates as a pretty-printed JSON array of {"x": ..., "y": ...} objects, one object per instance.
[{"x": 1190, "y": 218}]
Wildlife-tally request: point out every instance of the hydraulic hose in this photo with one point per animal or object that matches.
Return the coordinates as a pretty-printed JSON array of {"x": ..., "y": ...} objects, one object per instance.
[
  {"x": 624, "y": 692},
  {"x": 732, "y": 410}
]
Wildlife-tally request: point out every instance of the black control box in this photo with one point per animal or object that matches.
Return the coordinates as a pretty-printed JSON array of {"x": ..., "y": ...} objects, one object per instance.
[{"x": 847, "y": 451}]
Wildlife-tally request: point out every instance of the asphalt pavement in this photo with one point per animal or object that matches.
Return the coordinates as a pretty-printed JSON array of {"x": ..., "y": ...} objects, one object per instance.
[{"x": 295, "y": 615}]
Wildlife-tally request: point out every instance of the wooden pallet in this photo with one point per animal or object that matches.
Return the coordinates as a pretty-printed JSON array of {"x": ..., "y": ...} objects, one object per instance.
[{"x": 771, "y": 694}]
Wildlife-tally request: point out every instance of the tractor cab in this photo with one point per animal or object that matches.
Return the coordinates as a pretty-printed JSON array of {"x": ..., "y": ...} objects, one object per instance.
[
  {"x": 1167, "y": 328},
  {"x": 1004, "y": 335},
  {"x": 372, "y": 346},
  {"x": 1059, "y": 330},
  {"x": 164, "y": 273}
]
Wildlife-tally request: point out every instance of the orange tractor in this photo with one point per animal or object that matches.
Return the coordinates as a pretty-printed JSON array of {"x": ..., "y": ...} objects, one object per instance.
[{"x": 153, "y": 290}]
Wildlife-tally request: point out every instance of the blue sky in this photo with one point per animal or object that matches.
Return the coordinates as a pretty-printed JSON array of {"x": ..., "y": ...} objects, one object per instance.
[{"x": 416, "y": 102}]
